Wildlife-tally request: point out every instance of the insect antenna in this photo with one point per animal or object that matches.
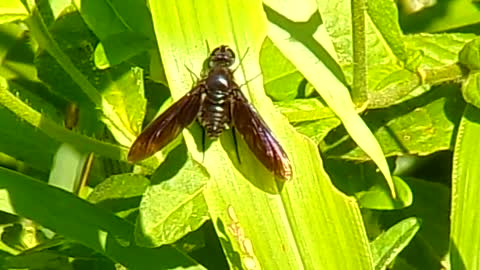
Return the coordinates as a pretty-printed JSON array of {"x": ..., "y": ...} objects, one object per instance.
[
  {"x": 192, "y": 74},
  {"x": 241, "y": 59}
]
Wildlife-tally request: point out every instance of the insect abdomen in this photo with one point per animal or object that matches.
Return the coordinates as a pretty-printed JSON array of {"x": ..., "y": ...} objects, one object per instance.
[{"x": 213, "y": 115}]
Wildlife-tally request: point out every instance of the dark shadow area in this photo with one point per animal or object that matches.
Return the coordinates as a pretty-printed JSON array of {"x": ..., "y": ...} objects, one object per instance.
[
  {"x": 432, "y": 206},
  {"x": 174, "y": 161},
  {"x": 120, "y": 204},
  {"x": 211, "y": 255},
  {"x": 227, "y": 245},
  {"x": 455, "y": 257},
  {"x": 261, "y": 178}
]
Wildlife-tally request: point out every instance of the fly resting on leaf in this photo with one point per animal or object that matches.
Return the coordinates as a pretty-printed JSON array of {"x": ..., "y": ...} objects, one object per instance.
[{"x": 217, "y": 103}]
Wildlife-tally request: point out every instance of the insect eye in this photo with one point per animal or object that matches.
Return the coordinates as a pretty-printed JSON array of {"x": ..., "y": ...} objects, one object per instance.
[{"x": 231, "y": 54}]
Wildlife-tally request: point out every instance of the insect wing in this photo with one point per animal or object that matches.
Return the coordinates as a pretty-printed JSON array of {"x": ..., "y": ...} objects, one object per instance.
[
  {"x": 167, "y": 126},
  {"x": 259, "y": 137}
]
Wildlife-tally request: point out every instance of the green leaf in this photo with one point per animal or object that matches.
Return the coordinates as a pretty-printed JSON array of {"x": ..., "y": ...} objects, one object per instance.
[
  {"x": 465, "y": 189},
  {"x": 122, "y": 88},
  {"x": 471, "y": 89},
  {"x": 422, "y": 126},
  {"x": 380, "y": 199},
  {"x": 389, "y": 244},
  {"x": 470, "y": 55},
  {"x": 119, "y": 47},
  {"x": 174, "y": 207},
  {"x": 120, "y": 193},
  {"x": 109, "y": 112},
  {"x": 364, "y": 182},
  {"x": 281, "y": 78},
  {"x": 98, "y": 229},
  {"x": 442, "y": 17},
  {"x": 302, "y": 110},
  {"x": 432, "y": 206}
]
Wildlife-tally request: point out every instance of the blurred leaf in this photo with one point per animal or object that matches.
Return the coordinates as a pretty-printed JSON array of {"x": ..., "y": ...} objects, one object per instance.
[
  {"x": 57, "y": 6},
  {"x": 444, "y": 16},
  {"x": 39, "y": 260},
  {"x": 387, "y": 246},
  {"x": 98, "y": 229},
  {"x": 470, "y": 55},
  {"x": 16, "y": 140},
  {"x": 12, "y": 10}
]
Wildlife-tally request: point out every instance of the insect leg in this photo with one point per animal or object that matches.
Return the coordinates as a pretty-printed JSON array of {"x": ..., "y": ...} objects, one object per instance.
[
  {"x": 203, "y": 144},
  {"x": 236, "y": 145}
]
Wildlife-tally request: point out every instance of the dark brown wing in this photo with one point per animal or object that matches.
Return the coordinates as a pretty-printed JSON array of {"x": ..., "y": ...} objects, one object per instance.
[
  {"x": 167, "y": 126},
  {"x": 258, "y": 136}
]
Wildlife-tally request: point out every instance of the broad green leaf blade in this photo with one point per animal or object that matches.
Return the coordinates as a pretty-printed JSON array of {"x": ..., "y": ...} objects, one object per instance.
[
  {"x": 304, "y": 56},
  {"x": 465, "y": 236},
  {"x": 100, "y": 230},
  {"x": 260, "y": 224},
  {"x": 389, "y": 244}
]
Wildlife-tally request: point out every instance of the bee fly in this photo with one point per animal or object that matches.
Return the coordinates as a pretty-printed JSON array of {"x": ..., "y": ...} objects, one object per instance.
[{"x": 217, "y": 103}]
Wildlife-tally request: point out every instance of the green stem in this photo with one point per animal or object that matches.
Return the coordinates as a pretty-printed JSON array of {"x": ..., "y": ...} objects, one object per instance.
[{"x": 359, "y": 90}]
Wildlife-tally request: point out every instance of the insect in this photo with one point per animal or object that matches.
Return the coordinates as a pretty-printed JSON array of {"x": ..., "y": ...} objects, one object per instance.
[{"x": 217, "y": 103}]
